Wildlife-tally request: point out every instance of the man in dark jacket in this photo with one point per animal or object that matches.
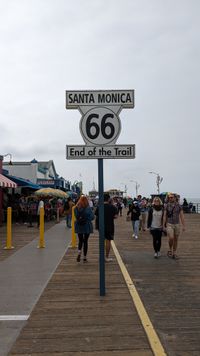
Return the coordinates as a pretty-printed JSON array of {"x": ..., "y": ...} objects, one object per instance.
[
  {"x": 134, "y": 210},
  {"x": 110, "y": 213}
]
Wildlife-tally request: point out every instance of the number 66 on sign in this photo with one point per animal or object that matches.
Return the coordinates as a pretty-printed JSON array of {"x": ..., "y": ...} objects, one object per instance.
[{"x": 100, "y": 126}]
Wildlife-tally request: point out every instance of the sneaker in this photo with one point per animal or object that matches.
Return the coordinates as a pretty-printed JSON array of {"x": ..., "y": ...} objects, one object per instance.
[
  {"x": 133, "y": 235},
  {"x": 85, "y": 259},
  {"x": 159, "y": 253},
  {"x": 108, "y": 259},
  {"x": 78, "y": 258},
  {"x": 136, "y": 237},
  {"x": 155, "y": 255}
]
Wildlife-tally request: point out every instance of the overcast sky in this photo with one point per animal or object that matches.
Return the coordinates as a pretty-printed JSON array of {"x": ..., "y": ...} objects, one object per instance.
[{"x": 48, "y": 47}]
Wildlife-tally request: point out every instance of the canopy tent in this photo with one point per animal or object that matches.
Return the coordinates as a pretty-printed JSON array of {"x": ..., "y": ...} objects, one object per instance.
[
  {"x": 24, "y": 183},
  {"x": 6, "y": 182},
  {"x": 51, "y": 192}
]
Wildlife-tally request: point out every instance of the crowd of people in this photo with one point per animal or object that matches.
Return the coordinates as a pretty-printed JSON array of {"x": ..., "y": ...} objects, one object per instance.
[
  {"x": 25, "y": 208},
  {"x": 156, "y": 215},
  {"x": 160, "y": 218}
]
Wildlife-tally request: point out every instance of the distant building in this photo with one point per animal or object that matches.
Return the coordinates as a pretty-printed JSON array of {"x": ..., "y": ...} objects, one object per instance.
[
  {"x": 93, "y": 194},
  {"x": 115, "y": 193},
  {"x": 42, "y": 173}
]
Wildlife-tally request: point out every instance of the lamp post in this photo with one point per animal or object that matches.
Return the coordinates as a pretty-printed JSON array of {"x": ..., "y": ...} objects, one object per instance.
[
  {"x": 158, "y": 180},
  {"x": 1, "y": 191},
  {"x": 125, "y": 188},
  {"x": 137, "y": 186}
]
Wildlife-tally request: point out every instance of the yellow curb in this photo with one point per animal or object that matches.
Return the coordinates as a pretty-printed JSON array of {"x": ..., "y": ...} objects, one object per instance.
[{"x": 152, "y": 336}]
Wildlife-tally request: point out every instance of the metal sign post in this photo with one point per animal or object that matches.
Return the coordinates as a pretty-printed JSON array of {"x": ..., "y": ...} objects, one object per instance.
[
  {"x": 100, "y": 127},
  {"x": 101, "y": 230}
]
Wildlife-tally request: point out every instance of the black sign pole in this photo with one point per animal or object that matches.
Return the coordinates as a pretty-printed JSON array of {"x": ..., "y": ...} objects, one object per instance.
[{"x": 101, "y": 229}]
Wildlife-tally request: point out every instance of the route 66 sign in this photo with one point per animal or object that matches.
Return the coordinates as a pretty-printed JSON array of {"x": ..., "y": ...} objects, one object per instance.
[
  {"x": 100, "y": 126},
  {"x": 100, "y": 123}
]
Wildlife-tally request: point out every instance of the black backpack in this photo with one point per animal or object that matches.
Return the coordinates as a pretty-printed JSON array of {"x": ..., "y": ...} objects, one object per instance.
[{"x": 81, "y": 219}]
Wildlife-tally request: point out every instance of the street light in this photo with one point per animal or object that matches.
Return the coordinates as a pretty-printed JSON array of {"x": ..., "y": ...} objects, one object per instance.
[
  {"x": 137, "y": 186},
  {"x": 158, "y": 180},
  {"x": 125, "y": 188}
]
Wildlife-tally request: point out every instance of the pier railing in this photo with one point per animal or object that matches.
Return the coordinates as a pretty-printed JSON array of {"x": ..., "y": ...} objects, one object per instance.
[{"x": 195, "y": 208}]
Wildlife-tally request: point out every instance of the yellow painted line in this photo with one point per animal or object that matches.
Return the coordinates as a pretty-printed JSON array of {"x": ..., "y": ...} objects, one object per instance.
[{"x": 152, "y": 336}]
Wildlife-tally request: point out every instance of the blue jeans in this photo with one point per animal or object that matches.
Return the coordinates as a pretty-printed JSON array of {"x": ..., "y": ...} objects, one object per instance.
[
  {"x": 136, "y": 224},
  {"x": 68, "y": 220}
]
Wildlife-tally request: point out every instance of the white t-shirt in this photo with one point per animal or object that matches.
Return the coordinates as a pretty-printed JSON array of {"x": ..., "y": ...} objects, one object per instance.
[
  {"x": 157, "y": 219},
  {"x": 91, "y": 203}
]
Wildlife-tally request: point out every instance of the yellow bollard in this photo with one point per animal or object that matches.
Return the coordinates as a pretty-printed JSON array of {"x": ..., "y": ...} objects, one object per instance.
[
  {"x": 41, "y": 242},
  {"x": 9, "y": 230},
  {"x": 73, "y": 242}
]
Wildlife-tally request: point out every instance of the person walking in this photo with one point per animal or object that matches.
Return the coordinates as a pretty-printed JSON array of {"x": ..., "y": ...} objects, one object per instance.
[
  {"x": 155, "y": 224},
  {"x": 110, "y": 213},
  {"x": 30, "y": 207},
  {"x": 134, "y": 210},
  {"x": 83, "y": 225},
  {"x": 173, "y": 216},
  {"x": 68, "y": 211},
  {"x": 119, "y": 207},
  {"x": 143, "y": 214}
]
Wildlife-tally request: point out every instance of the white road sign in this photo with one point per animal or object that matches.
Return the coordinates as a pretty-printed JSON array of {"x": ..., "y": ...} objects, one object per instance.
[
  {"x": 95, "y": 152},
  {"x": 100, "y": 126}
]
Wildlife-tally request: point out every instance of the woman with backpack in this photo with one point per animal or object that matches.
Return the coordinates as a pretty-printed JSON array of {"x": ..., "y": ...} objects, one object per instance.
[{"x": 83, "y": 225}]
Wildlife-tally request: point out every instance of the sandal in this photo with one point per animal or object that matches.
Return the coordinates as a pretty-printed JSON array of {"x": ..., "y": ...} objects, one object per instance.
[
  {"x": 175, "y": 257},
  {"x": 169, "y": 253}
]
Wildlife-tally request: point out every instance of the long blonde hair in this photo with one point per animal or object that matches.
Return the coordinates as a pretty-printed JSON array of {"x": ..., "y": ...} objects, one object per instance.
[{"x": 158, "y": 199}]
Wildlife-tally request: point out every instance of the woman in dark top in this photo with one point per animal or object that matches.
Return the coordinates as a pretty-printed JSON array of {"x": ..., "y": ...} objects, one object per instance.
[
  {"x": 134, "y": 210},
  {"x": 83, "y": 225}
]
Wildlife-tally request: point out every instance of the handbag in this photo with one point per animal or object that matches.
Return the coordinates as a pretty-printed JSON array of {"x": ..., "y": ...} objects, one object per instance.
[{"x": 128, "y": 218}]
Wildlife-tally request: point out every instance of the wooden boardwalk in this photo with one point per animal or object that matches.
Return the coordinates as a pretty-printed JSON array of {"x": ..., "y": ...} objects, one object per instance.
[
  {"x": 169, "y": 289},
  {"x": 21, "y": 236},
  {"x": 71, "y": 319}
]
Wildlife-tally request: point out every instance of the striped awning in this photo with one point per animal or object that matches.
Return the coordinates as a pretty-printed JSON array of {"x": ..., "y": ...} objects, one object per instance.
[{"x": 6, "y": 183}]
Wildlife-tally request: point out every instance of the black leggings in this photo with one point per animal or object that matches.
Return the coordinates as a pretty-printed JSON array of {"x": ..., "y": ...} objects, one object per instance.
[
  {"x": 83, "y": 241},
  {"x": 157, "y": 235}
]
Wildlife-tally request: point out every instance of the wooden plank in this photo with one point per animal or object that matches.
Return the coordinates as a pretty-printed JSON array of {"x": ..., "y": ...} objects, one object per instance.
[{"x": 170, "y": 291}]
